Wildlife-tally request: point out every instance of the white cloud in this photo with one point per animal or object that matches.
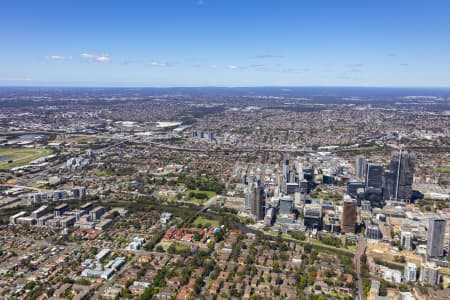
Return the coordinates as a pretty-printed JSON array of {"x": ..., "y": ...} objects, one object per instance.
[
  {"x": 232, "y": 67},
  {"x": 96, "y": 57},
  {"x": 58, "y": 57},
  {"x": 156, "y": 63},
  {"x": 103, "y": 58},
  {"x": 87, "y": 55}
]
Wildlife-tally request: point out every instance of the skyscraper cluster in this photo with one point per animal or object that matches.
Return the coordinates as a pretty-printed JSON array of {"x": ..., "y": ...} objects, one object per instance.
[
  {"x": 380, "y": 185},
  {"x": 294, "y": 182}
]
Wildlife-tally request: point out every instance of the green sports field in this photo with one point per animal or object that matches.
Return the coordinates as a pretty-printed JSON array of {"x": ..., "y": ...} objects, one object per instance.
[
  {"x": 206, "y": 221},
  {"x": 20, "y": 156}
]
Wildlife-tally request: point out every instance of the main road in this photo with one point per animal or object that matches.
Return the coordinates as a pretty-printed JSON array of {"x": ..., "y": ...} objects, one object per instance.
[{"x": 360, "y": 250}]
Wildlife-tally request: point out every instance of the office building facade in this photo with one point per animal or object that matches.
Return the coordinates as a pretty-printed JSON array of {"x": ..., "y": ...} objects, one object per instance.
[
  {"x": 398, "y": 179},
  {"x": 435, "y": 237},
  {"x": 406, "y": 240},
  {"x": 374, "y": 178},
  {"x": 429, "y": 274},
  {"x": 410, "y": 272},
  {"x": 349, "y": 210},
  {"x": 256, "y": 200},
  {"x": 360, "y": 166}
]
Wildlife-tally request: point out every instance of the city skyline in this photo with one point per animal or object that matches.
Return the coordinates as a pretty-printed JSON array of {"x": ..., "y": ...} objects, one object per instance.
[
  {"x": 221, "y": 193},
  {"x": 224, "y": 43}
]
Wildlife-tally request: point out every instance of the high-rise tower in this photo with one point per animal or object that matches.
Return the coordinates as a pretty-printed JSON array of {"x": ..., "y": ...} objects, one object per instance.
[
  {"x": 257, "y": 200},
  {"x": 374, "y": 176},
  {"x": 435, "y": 239},
  {"x": 402, "y": 167},
  {"x": 349, "y": 215},
  {"x": 360, "y": 167}
]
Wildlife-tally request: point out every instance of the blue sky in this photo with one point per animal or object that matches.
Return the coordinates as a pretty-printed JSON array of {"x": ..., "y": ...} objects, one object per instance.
[{"x": 225, "y": 43}]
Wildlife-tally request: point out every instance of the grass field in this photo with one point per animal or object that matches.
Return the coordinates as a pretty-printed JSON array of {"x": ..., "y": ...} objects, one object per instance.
[
  {"x": 166, "y": 245},
  {"x": 332, "y": 248},
  {"x": 203, "y": 220},
  {"x": 20, "y": 156},
  {"x": 443, "y": 170},
  {"x": 180, "y": 247}
]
